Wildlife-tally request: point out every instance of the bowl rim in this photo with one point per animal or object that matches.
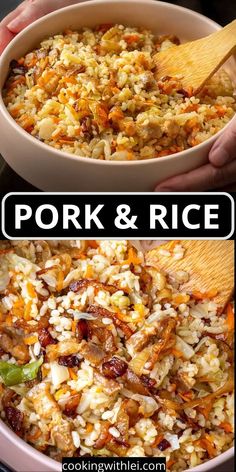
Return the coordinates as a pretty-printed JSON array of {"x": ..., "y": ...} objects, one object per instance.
[
  {"x": 97, "y": 162},
  {"x": 48, "y": 461}
]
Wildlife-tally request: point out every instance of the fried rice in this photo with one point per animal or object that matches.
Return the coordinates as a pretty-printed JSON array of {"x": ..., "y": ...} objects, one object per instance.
[
  {"x": 93, "y": 93},
  {"x": 102, "y": 355}
]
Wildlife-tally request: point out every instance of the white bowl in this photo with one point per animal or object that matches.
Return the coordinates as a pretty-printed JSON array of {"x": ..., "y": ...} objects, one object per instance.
[{"x": 52, "y": 170}]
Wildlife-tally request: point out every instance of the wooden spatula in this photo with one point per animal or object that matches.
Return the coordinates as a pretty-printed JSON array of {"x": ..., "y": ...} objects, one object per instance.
[
  {"x": 210, "y": 265},
  {"x": 197, "y": 61}
]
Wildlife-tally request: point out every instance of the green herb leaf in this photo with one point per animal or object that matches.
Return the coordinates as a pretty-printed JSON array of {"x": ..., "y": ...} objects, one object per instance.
[{"x": 13, "y": 374}]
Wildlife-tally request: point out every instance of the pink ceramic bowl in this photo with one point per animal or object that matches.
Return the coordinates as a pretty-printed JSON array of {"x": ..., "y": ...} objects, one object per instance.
[{"x": 51, "y": 170}]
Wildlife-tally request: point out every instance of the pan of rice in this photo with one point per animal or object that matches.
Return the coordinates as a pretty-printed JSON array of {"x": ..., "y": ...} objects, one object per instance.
[
  {"x": 87, "y": 89},
  {"x": 103, "y": 355}
]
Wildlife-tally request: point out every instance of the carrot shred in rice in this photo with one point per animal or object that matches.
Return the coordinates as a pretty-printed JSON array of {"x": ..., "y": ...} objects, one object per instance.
[
  {"x": 131, "y": 38},
  {"x": 226, "y": 427},
  {"x": 158, "y": 440},
  {"x": 230, "y": 317},
  {"x": 140, "y": 308},
  {"x": 5, "y": 251},
  {"x": 35, "y": 436},
  {"x": 92, "y": 244},
  {"x": 8, "y": 320},
  {"x": 206, "y": 409},
  {"x": 176, "y": 353},
  {"x": 180, "y": 298},
  {"x": 132, "y": 258},
  {"x": 208, "y": 444},
  {"x": 27, "y": 310},
  {"x": 30, "y": 340},
  {"x": 31, "y": 290},
  {"x": 186, "y": 396},
  {"x": 197, "y": 295},
  {"x": 73, "y": 326},
  {"x": 60, "y": 279},
  {"x": 73, "y": 375},
  {"x": 89, "y": 273},
  {"x": 170, "y": 463},
  {"x": 173, "y": 244},
  {"x": 18, "y": 308}
]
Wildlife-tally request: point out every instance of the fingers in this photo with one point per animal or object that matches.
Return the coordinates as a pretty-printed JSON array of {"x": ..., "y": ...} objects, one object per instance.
[
  {"x": 5, "y": 37},
  {"x": 27, "y": 12},
  {"x": 204, "y": 178},
  {"x": 13, "y": 14},
  {"x": 224, "y": 149},
  {"x": 33, "y": 9}
]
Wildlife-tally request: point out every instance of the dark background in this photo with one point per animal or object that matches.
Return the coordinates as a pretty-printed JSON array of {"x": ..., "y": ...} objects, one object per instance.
[{"x": 222, "y": 11}]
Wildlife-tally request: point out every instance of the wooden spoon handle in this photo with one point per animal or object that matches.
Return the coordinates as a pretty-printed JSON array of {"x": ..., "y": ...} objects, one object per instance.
[{"x": 197, "y": 61}]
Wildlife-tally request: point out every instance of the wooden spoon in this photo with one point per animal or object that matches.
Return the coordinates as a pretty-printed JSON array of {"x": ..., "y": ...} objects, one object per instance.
[
  {"x": 210, "y": 265},
  {"x": 198, "y": 60}
]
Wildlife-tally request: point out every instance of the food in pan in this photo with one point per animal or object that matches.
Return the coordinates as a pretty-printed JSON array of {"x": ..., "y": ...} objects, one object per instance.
[
  {"x": 103, "y": 355},
  {"x": 93, "y": 93}
]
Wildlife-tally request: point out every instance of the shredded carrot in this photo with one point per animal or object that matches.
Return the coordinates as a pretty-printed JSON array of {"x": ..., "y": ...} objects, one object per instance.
[
  {"x": 201, "y": 295},
  {"x": 36, "y": 435},
  {"x": 132, "y": 258},
  {"x": 5, "y": 251},
  {"x": 116, "y": 114},
  {"x": 73, "y": 375},
  {"x": 73, "y": 326},
  {"x": 191, "y": 107},
  {"x": 77, "y": 254},
  {"x": 140, "y": 308},
  {"x": 170, "y": 463},
  {"x": 186, "y": 396},
  {"x": 60, "y": 279},
  {"x": 44, "y": 371},
  {"x": 131, "y": 38},
  {"x": 226, "y": 427},
  {"x": 31, "y": 290},
  {"x": 230, "y": 317},
  {"x": 18, "y": 308},
  {"x": 27, "y": 310},
  {"x": 18, "y": 81},
  {"x": 56, "y": 134},
  {"x": 89, "y": 427},
  {"x": 173, "y": 387},
  {"x": 158, "y": 440},
  {"x": 207, "y": 444},
  {"x": 176, "y": 353},
  {"x": 92, "y": 244},
  {"x": 172, "y": 244},
  {"x": 89, "y": 272},
  {"x": 180, "y": 298},
  {"x": 206, "y": 409},
  {"x": 220, "y": 110},
  {"x": 30, "y": 340},
  {"x": 129, "y": 128},
  {"x": 8, "y": 320}
]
